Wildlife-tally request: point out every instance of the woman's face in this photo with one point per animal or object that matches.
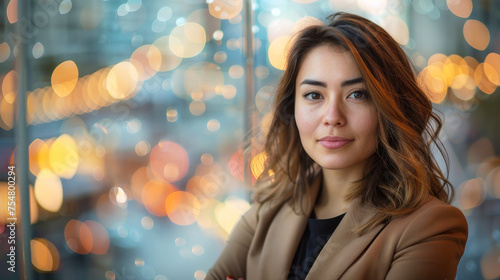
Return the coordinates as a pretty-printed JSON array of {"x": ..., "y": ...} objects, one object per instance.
[{"x": 336, "y": 119}]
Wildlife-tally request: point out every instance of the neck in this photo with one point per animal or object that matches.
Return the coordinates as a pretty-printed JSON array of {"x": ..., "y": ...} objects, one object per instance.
[{"x": 336, "y": 184}]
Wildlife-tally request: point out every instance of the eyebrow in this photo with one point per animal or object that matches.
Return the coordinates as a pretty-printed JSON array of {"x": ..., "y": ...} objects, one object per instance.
[{"x": 323, "y": 84}]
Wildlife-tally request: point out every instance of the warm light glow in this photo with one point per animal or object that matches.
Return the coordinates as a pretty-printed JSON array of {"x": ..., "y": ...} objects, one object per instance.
[
  {"x": 278, "y": 51},
  {"x": 484, "y": 72},
  {"x": 171, "y": 115},
  {"x": 187, "y": 40},
  {"x": 472, "y": 193},
  {"x": 197, "y": 107},
  {"x": 154, "y": 194},
  {"x": 63, "y": 156},
  {"x": 169, "y": 60},
  {"x": 44, "y": 255},
  {"x": 225, "y": 9},
  {"x": 9, "y": 87},
  {"x": 203, "y": 18},
  {"x": 147, "y": 61},
  {"x": 397, "y": 28},
  {"x": 99, "y": 237},
  {"x": 137, "y": 182},
  {"x": 229, "y": 91},
  {"x": 282, "y": 27},
  {"x": 48, "y": 190},
  {"x": 169, "y": 161},
  {"x": 64, "y": 78},
  {"x": 460, "y": 8},
  {"x": 373, "y": 6},
  {"x": 122, "y": 80},
  {"x": 12, "y": 11},
  {"x": 182, "y": 208},
  {"x": 493, "y": 182},
  {"x": 6, "y": 115},
  {"x": 236, "y": 165},
  {"x": 493, "y": 59},
  {"x": 204, "y": 77},
  {"x": 434, "y": 83},
  {"x": 257, "y": 165},
  {"x": 476, "y": 34},
  {"x": 305, "y": 22},
  {"x": 4, "y": 52},
  {"x": 78, "y": 237},
  {"x": 490, "y": 268},
  {"x": 236, "y": 71},
  {"x": 228, "y": 214},
  {"x": 213, "y": 125}
]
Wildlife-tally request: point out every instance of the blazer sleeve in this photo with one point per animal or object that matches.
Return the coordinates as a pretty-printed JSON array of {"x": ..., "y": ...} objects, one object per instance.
[
  {"x": 232, "y": 260},
  {"x": 431, "y": 245}
]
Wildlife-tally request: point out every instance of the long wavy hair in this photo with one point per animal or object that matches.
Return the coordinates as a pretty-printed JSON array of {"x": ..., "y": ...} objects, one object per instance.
[{"x": 403, "y": 172}]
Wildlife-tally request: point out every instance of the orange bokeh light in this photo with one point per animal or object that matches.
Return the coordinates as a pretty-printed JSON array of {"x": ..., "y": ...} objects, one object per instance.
[
  {"x": 182, "y": 208},
  {"x": 169, "y": 161},
  {"x": 154, "y": 194}
]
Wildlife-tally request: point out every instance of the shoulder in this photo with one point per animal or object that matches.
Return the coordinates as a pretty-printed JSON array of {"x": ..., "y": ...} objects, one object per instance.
[{"x": 433, "y": 218}]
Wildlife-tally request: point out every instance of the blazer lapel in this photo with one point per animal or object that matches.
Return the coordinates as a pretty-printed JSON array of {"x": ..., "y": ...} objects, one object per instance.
[
  {"x": 285, "y": 232},
  {"x": 344, "y": 246}
]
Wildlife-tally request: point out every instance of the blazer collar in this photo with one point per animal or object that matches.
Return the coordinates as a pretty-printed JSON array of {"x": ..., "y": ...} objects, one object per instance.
[{"x": 342, "y": 249}]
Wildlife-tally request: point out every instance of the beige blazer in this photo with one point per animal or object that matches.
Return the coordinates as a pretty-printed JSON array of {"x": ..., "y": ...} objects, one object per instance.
[{"x": 426, "y": 244}]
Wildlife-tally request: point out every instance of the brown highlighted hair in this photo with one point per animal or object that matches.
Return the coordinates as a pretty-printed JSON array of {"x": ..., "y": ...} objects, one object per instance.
[{"x": 403, "y": 172}]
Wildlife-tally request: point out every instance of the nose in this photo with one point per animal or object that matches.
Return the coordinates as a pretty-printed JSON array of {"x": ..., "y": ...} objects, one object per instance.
[{"x": 334, "y": 114}]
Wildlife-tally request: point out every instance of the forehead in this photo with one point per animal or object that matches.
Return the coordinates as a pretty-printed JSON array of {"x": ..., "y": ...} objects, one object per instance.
[{"x": 328, "y": 62}]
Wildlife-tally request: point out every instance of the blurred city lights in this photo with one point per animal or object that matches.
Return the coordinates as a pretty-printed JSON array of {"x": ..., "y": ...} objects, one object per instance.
[
  {"x": 460, "y": 8},
  {"x": 225, "y": 9},
  {"x": 182, "y": 208},
  {"x": 476, "y": 34},
  {"x": 44, "y": 255},
  {"x": 64, "y": 78},
  {"x": 169, "y": 161},
  {"x": 48, "y": 190}
]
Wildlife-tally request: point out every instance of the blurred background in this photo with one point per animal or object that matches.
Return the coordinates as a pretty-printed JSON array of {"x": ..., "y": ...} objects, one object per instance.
[{"x": 136, "y": 112}]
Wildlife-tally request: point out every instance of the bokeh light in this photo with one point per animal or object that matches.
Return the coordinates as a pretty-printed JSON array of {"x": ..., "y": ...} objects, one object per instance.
[
  {"x": 471, "y": 193},
  {"x": 476, "y": 34},
  {"x": 204, "y": 77},
  {"x": 48, "y": 190},
  {"x": 44, "y": 255},
  {"x": 225, "y": 9},
  {"x": 169, "y": 60},
  {"x": 187, "y": 40},
  {"x": 153, "y": 196},
  {"x": 169, "y": 161},
  {"x": 122, "y": 80},
  {"x": 228, "y": 213},
  {"x": 460, "y": 8},
  {"x": 64, "y": 78},
  {"x": 182, "y": 208},
  {"x": 490, "y": 268},
  {"x": 63, "y": 156},
  {"x": 12, "y": 11},
  {"x": 278, "y": 51},
  {"x": 4, "y": 52},
  {"x": 147, "y": 60}
]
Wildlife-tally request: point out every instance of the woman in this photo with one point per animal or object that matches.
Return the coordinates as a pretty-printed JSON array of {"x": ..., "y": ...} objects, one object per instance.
[{"x": 351, "y": 189}]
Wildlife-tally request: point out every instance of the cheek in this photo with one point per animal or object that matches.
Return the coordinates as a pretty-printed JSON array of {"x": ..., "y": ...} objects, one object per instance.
[{"x": 303, "y": 120}]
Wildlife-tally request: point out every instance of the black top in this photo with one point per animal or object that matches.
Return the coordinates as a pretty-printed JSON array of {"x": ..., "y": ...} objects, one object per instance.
[{"x": 317, "y": 233}]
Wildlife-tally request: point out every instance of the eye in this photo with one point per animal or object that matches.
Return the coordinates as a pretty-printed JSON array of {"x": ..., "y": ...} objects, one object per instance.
[
  {"x": 359, "y": 95},
  {"x": 312, "y": 95}
]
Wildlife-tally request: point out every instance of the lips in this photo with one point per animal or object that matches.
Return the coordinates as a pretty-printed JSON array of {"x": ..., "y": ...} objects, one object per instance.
[{"x": 334, "y": 142}]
